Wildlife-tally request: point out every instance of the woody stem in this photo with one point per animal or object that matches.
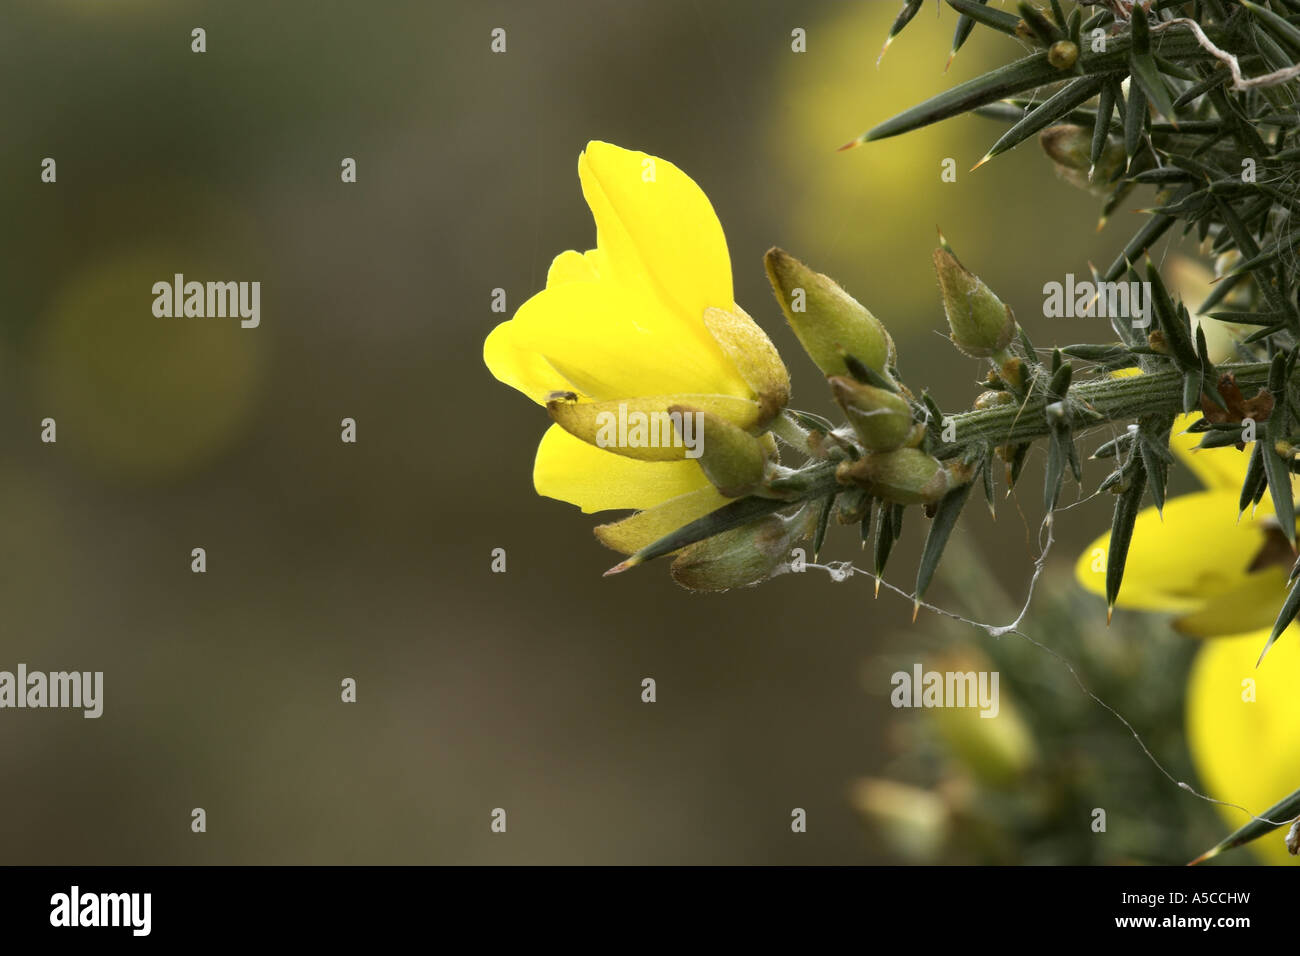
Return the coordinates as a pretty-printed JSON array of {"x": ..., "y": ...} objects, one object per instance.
[{"x": 1109, "y": 399}]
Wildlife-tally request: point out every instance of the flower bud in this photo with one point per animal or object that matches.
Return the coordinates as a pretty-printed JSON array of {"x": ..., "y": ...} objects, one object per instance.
[
  {"x": 1063, "y": 54},
  {"x": 1070, "y": 149},
  {"x": 853, "y": 506},
  {"x": 742, "y": 556},
  {"x": 905, "y": 476},
  {"x": 996, "y": 749},
  {"x": 827, "y": 319},
  {"x": 730, "y": 457},
  {"x": 1226, "y": 262},
  {"x": 993, "y": 399},
  {"x": 881, "y": 419},
  {"x": 981, "y": 325},
  {"x": 915, "y": 822}
]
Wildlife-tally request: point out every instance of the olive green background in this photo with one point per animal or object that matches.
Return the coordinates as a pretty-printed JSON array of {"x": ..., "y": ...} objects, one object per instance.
[{"x": 476, "y": 690}]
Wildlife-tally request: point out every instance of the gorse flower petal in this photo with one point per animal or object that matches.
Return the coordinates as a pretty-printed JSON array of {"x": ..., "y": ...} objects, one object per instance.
[
  {"x": 1197, "y": 559},
  {"x": 1219, "y": 469},
  {"x": 602, "y": 340},
  {"x": 571, "y": 470},
  {"x": 1221, "y": 575},
  {"x": 1241, "y": 727},
  {"x": 1196, "y": 552},
  {"x": 643, "y": 323},
  {"x": 658, "y": 232}
]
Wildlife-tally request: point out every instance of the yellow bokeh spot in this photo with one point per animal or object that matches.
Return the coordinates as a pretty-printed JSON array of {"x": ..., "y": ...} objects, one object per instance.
[{"x": 136, "y": 396}]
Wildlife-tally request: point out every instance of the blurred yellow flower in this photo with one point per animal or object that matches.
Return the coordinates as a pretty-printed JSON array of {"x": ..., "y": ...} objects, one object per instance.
[
  {"x": 1241, "y": 727},
  {"x": 643, "y": 322},
  {"x": 1222, "y": 574},
  {"x": 136, "y": 398},
  {"x": 869, "y": 205},
  {"x": 1193, "y": 282},
  {"x": 1226, "y": 578}
]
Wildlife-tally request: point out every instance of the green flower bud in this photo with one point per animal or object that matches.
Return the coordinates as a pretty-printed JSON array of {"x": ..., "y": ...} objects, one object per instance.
[
  {"x": 827, "y": 319},
  {"x": 882, "y": 419},
  {"x": 1063, "y": 54},
  {"x": 1070, "y": 149},
  {"x": 731, "y": 458},
  {"x": 981, "y": 325},
  {"x": 1068, "y": 145},
  {"x": 997, "y": 749},
  {"x": 742, "y": 556},
  {"x": 853, "y": 506},
  {"x": 905, "y": 476}
]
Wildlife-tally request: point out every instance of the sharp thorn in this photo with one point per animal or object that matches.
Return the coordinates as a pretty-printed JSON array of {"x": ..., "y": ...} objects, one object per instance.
[{"x": 622, "y": 566}]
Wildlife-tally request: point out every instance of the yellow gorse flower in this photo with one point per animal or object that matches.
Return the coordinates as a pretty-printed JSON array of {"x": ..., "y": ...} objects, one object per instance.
[
  {"x": 645, "y": 322},
  {"x": 1221, "y": 574},
  {"x": 1243, "y": 736},
  {"x": 1226, "y": 579}
]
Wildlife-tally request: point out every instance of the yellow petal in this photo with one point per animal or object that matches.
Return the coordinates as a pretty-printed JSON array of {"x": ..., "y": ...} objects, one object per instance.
[
  {"x": 571, "y": 266},
  {"x": 646, "y": 527},
  {"x": 657, "y": 230},
  {"x": 569, "y": 469},
  {"x": 1252, "y": 604},
  {"x": 1197, "y": 552},
  {"x": 521, "y": 368},
  {"x": 611, "y": 344},
  {"x": 1247, "y": 752},
  {"x": 1222, "y": 469}
]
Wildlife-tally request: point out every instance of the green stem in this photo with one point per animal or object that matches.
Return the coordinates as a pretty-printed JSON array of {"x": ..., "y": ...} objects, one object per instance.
[{"x": 1113, "y": 399}]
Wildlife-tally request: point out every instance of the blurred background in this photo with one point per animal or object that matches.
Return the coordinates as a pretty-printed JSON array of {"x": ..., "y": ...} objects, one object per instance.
[{"x": 372, "y": 561}]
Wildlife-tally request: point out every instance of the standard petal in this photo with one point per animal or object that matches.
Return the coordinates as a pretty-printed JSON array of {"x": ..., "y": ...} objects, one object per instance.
[
  {"x": 1197, "y": 552},
  {"x": 657, "y": 229},
  {"x": 521, "y": 367},
  {"x": 611, "y": 344},
  {"x": 572, "y": 266},
  {"x": 569, "y": 469},
  {"x": 1246, "y": 750}
]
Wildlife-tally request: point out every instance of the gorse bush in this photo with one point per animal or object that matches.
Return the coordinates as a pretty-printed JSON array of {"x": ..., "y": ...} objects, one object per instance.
[{"x": 668, "y": 400}]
